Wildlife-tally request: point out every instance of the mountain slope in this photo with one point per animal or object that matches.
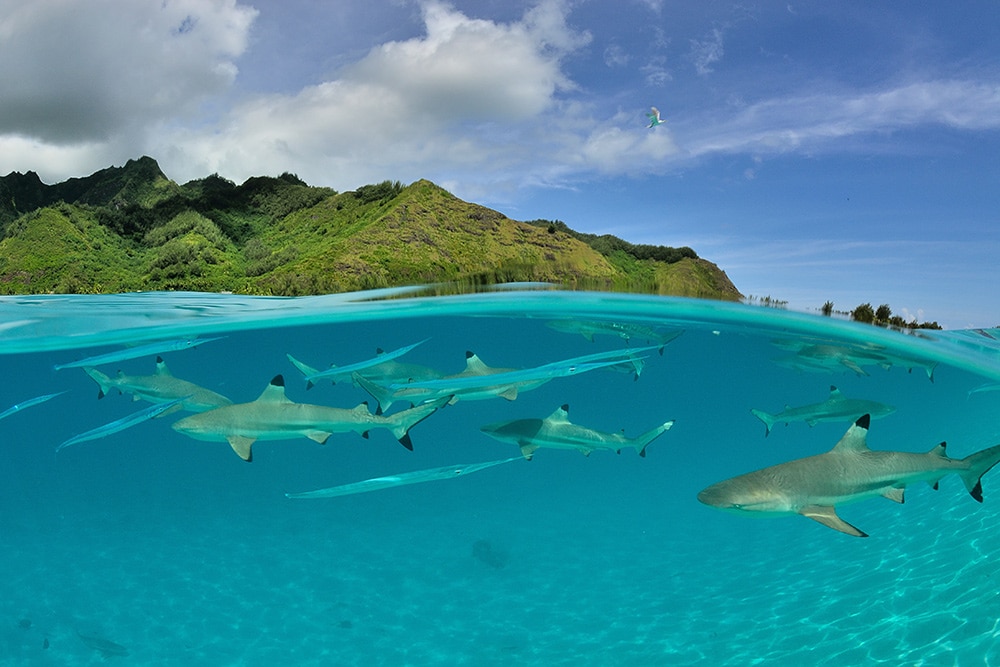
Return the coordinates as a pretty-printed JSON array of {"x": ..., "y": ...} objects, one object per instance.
[{"x": 132, "y": 228}]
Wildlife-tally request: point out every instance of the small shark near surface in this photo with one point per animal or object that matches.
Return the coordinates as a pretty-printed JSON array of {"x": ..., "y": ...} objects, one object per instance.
[
  {"x": 161, "y": 387},
  {"x": 814, "y": 486},
  {"x": 624, "y": 330},
  {"x": 274, "y": 417},
  {"x": 835, "y": 408},
  {"x": 822, "y": 356},
  {"x": 479, "y": 381},
  {"x": 557, "y": 432},
  {"x": 370, "y": 368}
]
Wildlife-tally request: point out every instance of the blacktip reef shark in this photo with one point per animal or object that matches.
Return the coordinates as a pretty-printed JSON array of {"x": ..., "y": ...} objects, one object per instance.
[
  {"x": 814, "y": 486},
  {"x": 625, "y": 330},
  {"x": 161, "y": 387},
  {"x": 836, "y": 408},
  {"x": 557, "y": 432},
  {"x": 828, "y": 357},
  {"x": 346, "y": 372},
  {"x": 274, "y": 417},
  {"x": 117, "y": 425},
  {"x": 402, "y": 479},
  {"x": 479, "y": 381},
  {"x": 137, "y": 351},
  {"x": 17, "y": 407}
]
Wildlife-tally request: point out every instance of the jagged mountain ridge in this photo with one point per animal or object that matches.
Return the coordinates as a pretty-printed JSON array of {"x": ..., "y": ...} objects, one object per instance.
[{"x": 132, "y": 228}]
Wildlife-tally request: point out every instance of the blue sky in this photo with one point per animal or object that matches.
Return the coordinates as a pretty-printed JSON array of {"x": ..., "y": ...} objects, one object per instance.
[{"x": 815, "y": 151}]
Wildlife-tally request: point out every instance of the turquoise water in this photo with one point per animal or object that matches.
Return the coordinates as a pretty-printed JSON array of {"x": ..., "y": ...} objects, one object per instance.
[{"x": 181, "y": 553}]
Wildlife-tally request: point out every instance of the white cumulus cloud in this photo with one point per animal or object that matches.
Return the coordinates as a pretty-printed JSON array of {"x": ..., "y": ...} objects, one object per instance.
[{"x": 77, "y": 72}]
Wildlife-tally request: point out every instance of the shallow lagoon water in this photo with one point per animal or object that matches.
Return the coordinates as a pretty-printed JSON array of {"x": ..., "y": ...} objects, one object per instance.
[{"x": 184, "y": 554}]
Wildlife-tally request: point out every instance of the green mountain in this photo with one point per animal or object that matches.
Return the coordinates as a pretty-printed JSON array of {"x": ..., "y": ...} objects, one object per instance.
[{"x": 132, "y": 228}]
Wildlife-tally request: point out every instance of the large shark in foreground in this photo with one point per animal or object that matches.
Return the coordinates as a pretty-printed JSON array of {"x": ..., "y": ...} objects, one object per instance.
[
  {"x": 161, "y": 387},
  {"x": 557, "y": 432},
  {"x": 274, "y": 417},
  {"x": 814, "y": 486},
  {"x": 836, "y": 408}
]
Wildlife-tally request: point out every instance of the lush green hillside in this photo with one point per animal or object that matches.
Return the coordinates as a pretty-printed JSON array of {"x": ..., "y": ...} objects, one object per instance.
[{"x": 131, "y": 228}]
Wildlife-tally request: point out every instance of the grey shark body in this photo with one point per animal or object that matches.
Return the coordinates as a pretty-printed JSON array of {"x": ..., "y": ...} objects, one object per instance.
[
  {"x": 557, "y": 432},
  {"x": 474, "y": 368},
  {"x": 836, "y": 408},
  {"x": 161, "y": 387},
  {"x": 816, "y": 485},
  {"x": 383, "y": 369},
  {"x": 274, "y": 417}
]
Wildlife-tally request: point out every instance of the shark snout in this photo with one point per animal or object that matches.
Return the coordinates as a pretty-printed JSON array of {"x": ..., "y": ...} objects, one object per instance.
[{"x": 716, "y": 496}]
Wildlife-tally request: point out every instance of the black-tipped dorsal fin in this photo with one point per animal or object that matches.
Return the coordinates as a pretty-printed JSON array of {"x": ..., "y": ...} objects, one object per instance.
[
  {"x": 474, "y": 365},
  {"x": 855, "y": 438},
  {"x": 560, "y": 415},
  {"x": 275, "y": 392},
  {"x": 161, "y": 367},
  {"x": 834, "y": 392}
]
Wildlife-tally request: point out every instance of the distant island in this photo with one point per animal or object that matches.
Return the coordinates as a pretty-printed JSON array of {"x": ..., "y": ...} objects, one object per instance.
[{"x": 131, "y": 228}]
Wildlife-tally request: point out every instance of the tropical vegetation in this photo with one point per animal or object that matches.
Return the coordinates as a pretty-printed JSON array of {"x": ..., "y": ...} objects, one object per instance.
[{"x": 132, "y": 228}]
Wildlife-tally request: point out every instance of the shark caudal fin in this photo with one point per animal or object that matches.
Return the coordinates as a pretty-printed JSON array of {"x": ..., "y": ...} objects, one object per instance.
[
  {"x": 305, "y": 369},
  {"x": 403, "y": 421},
  {"x": 643, "y": 440},
  {"x": 383, "y": 395},
  {"x": 766, "y": 417},
  {"x": 978, "y": 465},
  {"x": 102, "y": 380}
]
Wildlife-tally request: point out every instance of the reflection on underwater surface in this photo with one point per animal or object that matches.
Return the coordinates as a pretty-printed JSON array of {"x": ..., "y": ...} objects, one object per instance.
[{"x": 178, "y": 552}]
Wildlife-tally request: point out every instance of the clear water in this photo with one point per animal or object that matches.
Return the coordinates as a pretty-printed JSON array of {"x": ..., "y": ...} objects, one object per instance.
[{"x": 184, "y": 554}]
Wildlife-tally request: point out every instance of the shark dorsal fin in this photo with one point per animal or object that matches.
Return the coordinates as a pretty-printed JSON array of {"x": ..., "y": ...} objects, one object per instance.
[
  {"x": 474, "y": 365},
  {"x": 561, "y": 414},
  {"x": 275, "y": 392},
  {"x": 161, "y": 368},
  {"x": 835, "y": 393},
  {"x": 855, "y": 438},
  {"x": 361, "y": 409}
]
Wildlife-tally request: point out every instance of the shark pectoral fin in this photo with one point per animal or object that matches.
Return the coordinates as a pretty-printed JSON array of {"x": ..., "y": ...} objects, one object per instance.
[
  {"x": 895, "y": 494},
  {"x": 406, "y": 442},
  {"x": 319, "y": 436},
  {"x": 827, "y": 516},
  {"x": 364, "y": 434},
  {"x": 510, "y": 393},
  {"x": 241, "y": 445},
  {"x": 528, "y": 450}
]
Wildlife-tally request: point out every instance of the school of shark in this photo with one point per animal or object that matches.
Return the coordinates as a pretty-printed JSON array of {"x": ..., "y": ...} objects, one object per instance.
[{"x": 812, "y": 487}]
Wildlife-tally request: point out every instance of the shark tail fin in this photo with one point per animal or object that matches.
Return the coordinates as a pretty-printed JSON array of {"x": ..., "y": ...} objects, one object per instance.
[
  {"x": 102, "y": 380},
  {"x": 643, "y": 440},
  {"x": 383, "y": 395},
  {"x": 978, "y": 465},
  {"x": 304, "y": 369},
  {"x": 765, "y": 417},
  {"x": 403, "y": 421}
]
